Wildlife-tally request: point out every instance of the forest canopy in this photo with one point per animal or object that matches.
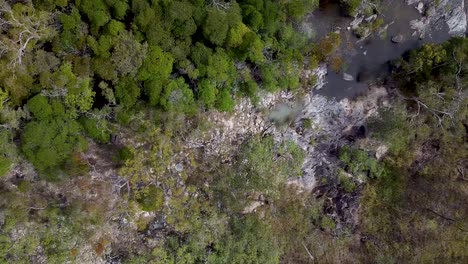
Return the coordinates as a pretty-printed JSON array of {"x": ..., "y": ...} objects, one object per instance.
[{"x": 102, "y": 103}]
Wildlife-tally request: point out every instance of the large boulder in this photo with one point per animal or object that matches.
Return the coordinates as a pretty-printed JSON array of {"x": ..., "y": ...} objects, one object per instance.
[{"x": 397, "y": 39}]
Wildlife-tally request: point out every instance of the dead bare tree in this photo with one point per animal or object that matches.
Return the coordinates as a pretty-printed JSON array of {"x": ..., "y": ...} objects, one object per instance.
[
  {"x": 447, "y": 107},
  {"x": 22, "y": 30},
  {"x": 219, "y": 4}
]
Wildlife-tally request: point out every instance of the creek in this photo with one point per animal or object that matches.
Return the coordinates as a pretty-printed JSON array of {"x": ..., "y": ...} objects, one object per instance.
[{"x": 367, "y": 61}]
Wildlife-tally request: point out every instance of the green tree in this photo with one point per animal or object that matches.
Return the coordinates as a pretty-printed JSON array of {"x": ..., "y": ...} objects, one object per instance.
[
  {"x": 157, "y": 65},
  {"x": 97, "y": 12},
  {"x": 128, "y": 54},
  {"x": 79, "y": 96},
  {"x": 220, "y": 68},
  {"x": 224, "y": 101},
  {"x": 236, "y": 34},
  {"x": 215, "y": 28},
  {"x": 252, "y": 17},
  {"x": 207, "y": 93},
  {"x": 8, "y": 153},
  {"x": 25, "y": 28},
  {"x": 96, "y": 127},
  {"x": 153, "y": 89},
  {"x": 249, "y": 241},
  {"x": 177, "y": 96},
  {"x": 50, "y": 139},
  {"x": 151, "y": 198},
  {"x": 127, "y": 92}
]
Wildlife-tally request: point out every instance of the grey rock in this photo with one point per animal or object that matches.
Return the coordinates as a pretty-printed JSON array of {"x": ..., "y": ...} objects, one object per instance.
[
  {"x": 420, "y": 7},
  {"x": 179, "y": 167},
  {"x": 397, "y": 39},
  {"x": 371, "y": 18},
  {"x": 348, "y": 77},
  {"x": 452, "y": 12}
]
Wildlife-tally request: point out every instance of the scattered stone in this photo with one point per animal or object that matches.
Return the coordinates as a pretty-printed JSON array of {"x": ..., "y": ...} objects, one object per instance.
[
  {"x": 252, "y": 207},
  {"x": 371, "y": 18},
  {"x": 381, "y": 152},
  {"x": 420, "y": 7},
  {"x": 179, "y": 167},
  {"x": 397, "y": 39},
  {"x": 320, "y": 72},
  {"x": 348, "y": 77},
  {"x": 356, "y": 22}
]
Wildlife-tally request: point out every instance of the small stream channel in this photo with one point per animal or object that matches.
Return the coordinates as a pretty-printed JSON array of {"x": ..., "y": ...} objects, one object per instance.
[{"x": 368, "y": 61}]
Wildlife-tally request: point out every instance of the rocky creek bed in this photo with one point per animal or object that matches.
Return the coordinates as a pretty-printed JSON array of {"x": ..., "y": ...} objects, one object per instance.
[{"x": 336, "y": 108}]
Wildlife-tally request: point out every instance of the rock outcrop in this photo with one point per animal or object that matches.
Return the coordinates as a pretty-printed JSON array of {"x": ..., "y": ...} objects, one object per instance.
[
  {"x": 435, "y": 12},
  {"x": 330, "y": 120}
]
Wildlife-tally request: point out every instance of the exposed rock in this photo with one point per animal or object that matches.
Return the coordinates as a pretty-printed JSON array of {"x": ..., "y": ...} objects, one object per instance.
[
  {"x": 456, "y": 20},
  {"x": 420, "y": 7},
  {"x": 371, "y": 18},
  {"x": 179, "y": 167},
  {"x": 381, "y": 152},
  {"x": 320, "y": 74},
  {"x": 356, "y": 22},
  {"x": 348, "y": 77},
  {"x": 452, "y": 12},
  {"x": 397, "y": 39},
  {"x": 252, "y": 207},
  {"x": 330, "y": 119}
]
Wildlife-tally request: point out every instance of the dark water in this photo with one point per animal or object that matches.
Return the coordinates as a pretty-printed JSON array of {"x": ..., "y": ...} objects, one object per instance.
[{"x": 368, "y": 61}]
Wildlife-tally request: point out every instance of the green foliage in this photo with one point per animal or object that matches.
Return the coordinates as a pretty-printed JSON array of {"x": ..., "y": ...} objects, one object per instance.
[
  {"x": 72, "y": 35},
  {"x": 151, "y": 198},
  {"x": 39, "y": 107},
  {"x": 80, "y": 96},
  {"x": 422, "y": 61},
  {"x": 157, "y": 65},
  {"x": 50, "y": 139},
  {"x": 410, "y": 201},
  {"x": 153, "y": 89},
  {"x": 97, "y": 12},
  {"x": 97, "y": 129},
  {"x": 328, "y": 223},
  {"x": 128, "y": 54},
  {"x": 351, "y": 6},
  {"x": 7, "y": 152},
  {"x": 346, "y": 182},
  {"x": 127, "y": 92},
  {"x": 250, "y": 241},
  {"x": 207, "y": 93},
  {"x": 236, "y": 34},
  {"x": 220, "y": 68},
  {"x": 215, "y": 28},
  {"x": 262, "y": 166},
  {"x": 149, "y": 65},
  {"x": 252, "y": 17},
  {"x": 358, "y": 161},
  {"x": 392, "y": 127},
  {"x": 298, "y": 8},
  {"x": 269, "y": 78},
  {"x": 48, "y": 143},
  {"x": 327, "y": 46},
  {"x": 124, "y": 154},
  {"x": 177, "y": 96},
  {"x": 224, "y": 101}
]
